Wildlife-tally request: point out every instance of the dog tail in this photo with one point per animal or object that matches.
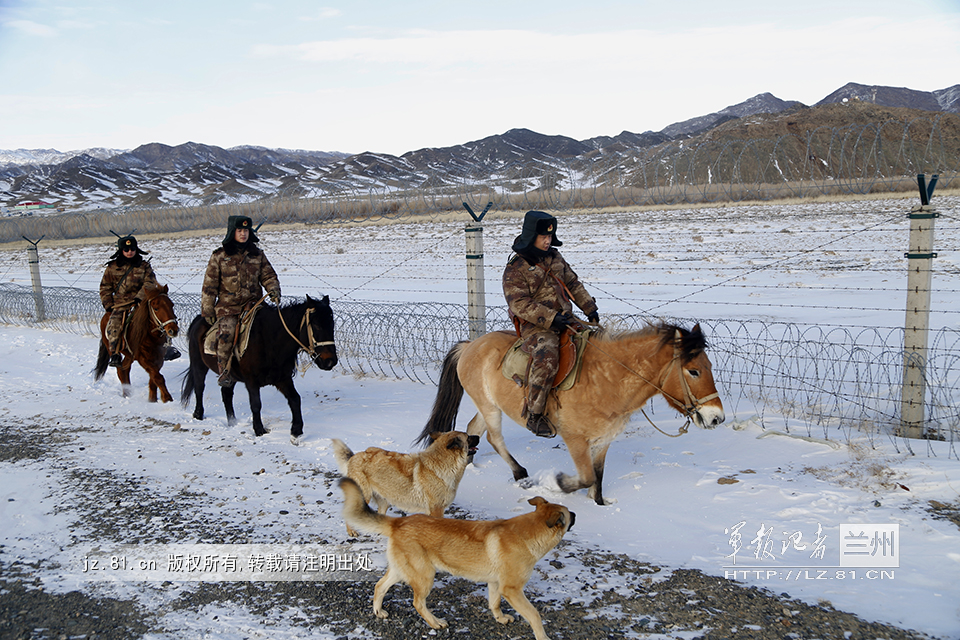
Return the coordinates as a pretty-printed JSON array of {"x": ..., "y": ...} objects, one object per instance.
[
  {"x": 358, "y": 514},
  {"x": 342, "y": 453},
  {"x": 449, "y": 393}
]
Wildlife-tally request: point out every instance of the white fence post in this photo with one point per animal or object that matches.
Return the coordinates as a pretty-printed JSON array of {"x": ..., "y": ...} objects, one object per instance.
[
  {"x": 476, "y": 296},
  {"x": 917, "y": 322}
]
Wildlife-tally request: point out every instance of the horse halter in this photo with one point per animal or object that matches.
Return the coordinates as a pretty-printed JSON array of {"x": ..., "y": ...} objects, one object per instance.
[
  {"x": 160, "y": 323},
  {"x": 691, "y": 403},
  {"x": 311, "y": 338}
]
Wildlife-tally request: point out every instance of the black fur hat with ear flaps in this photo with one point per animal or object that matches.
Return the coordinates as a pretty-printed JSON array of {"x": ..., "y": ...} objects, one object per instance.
[
  {"x": 536, "y": 223},
  {"x": 239, "y": 222},
  {"x": 125, "y": 243}
]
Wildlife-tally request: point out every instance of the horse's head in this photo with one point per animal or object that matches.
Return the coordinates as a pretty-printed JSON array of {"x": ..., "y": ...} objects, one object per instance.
[
  {"x": 319, "y": 333},
  {"x": 686, "y": 381},
  {"x": 161, "y": 309}
]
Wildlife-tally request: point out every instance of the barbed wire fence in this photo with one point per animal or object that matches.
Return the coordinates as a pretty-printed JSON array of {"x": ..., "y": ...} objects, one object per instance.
[{"x": 823, "y": 382}]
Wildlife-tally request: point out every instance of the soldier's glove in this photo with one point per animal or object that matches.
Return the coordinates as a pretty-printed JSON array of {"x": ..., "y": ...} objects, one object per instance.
[
  {"x": 275, "y": 297},
  {"x": 560, "y": 322},
  {"x": 594, "y": 317},
  {"x": 211, "y": 320}
]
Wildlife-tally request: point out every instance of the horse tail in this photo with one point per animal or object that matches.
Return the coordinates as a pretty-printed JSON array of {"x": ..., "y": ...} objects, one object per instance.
[
  {"x": 193, "y": 347},
  {"x": 449, "y": 393},
  {"x": 102, "y": 358}
]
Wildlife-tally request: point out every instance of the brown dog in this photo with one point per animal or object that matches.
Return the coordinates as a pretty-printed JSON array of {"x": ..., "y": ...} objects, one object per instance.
[
  {"x": 424, "y": 482},
  {"x": 501, "y": 553}
]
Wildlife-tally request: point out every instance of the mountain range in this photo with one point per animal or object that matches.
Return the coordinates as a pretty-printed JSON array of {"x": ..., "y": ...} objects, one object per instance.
[{"x": 192, "y": 173}]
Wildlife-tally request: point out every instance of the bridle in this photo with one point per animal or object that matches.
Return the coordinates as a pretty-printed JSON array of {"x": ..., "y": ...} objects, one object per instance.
[
  {"x": 161, "y": 325},
  {"x": 691, "y": 403},
  {"x": 311, "y": 337}
]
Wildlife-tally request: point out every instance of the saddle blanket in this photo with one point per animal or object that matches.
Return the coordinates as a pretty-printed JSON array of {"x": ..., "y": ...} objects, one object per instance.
[
  {"x": 515, "y": 361},
  {"x": 246, "y": 321}
]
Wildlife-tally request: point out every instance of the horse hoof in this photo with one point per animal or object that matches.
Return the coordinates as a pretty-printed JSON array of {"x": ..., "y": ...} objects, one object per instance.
[
  {"x": 520, "y": 474},
  {"x": 295, "y": 441}
]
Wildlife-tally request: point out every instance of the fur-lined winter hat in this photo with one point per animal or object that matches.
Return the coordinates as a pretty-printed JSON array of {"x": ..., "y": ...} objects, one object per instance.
[
  {"x": 536, "y": 223},
  {"x": 125, "y": 243},
  {"x": 239, "y": 222}
]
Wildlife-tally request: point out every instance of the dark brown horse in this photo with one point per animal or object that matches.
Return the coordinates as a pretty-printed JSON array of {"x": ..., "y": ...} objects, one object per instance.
[
  {"x": 152, "y": 321},
  {"x": 619, "y": 373},
  {"x": 277, "y": 335}
]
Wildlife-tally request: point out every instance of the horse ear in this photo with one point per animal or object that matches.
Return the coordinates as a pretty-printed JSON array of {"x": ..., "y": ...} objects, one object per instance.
[
  {"x": 696, "y": 328},
  {"x": 326, "y": 300},
  {"x": 677, "y": 335}
]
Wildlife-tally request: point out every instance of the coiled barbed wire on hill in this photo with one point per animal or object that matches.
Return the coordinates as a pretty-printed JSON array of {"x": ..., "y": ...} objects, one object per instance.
[
  {"x": 854, "y": 159},
  {"x": 827, "y": 382}
]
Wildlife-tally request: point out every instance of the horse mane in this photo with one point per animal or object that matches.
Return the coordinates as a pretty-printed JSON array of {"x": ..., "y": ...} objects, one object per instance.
[{"x": 692, "y": 343}]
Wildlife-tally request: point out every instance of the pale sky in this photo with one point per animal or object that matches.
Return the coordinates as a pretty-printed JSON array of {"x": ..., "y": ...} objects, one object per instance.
[{"x": 398, "y": 76}]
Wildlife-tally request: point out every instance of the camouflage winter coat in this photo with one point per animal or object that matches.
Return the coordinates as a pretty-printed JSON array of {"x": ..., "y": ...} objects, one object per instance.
[
  {"x": 234, "y": 280},
  {"x": 121, "y": 283},
  {"x": 535, "y": 296}
]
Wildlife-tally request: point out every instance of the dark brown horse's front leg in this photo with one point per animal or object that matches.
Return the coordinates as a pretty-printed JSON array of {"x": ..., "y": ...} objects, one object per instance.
[
  {"x": 293, "y": 401},
  {"x": 255, "y": 406}
]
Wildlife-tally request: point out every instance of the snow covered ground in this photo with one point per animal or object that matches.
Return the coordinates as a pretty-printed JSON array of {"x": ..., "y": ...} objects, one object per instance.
[{"x": 743, "y": 501}]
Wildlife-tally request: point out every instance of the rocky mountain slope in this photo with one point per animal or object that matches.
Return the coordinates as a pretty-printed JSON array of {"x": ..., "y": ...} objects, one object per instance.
[{"x": 192, "y": 173}]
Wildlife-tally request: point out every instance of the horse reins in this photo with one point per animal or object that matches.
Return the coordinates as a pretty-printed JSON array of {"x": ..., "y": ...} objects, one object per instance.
[
  {"x": 160, "y": 323},
  {"x": 311, "y": 350},
  {"x": 691, "y": 403}
]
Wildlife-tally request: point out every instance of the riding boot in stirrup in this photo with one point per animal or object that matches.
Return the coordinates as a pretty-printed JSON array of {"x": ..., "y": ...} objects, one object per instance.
[
  {"x": 172, "y": 353},
  {"x": 115, "y": 360},
  {"x": 540, "y": 425},
  {"x": 226, "y": 379}
]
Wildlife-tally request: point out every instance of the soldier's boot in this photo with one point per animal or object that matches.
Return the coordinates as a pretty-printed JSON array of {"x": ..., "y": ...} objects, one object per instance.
[
  {"x": 226, "y": 378},
  {"x": 115, "y": 357},
  {"x": 540, "y": 425}
]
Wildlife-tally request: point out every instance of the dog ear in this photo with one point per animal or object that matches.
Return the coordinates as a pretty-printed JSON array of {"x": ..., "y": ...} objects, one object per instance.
[
  {"x": 435, "y": 435},
  {"x": 556, "y": 518},
  {"x": 536, "y": 501}
]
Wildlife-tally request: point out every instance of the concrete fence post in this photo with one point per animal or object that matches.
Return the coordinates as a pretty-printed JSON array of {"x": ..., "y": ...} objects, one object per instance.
[
  {"x": 917, "y": 321},
  {"x": 476, "y": 295},
  {"x": 33, "y": 259}
]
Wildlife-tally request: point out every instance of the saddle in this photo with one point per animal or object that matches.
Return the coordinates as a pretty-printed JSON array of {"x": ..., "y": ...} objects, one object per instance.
[
  {"x": 516, "y": 362},
  {"x": 240, "y": 341}
]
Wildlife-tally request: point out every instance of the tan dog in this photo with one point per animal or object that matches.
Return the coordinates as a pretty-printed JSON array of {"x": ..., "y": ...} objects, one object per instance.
[
  {"x": 424, "y": 482},
  {"x": 501, "y": 553}
]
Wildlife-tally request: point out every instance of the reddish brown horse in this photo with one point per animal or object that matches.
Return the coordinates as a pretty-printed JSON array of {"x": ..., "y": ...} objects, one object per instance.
[
  {"x": 618, "y": 375},
  {"x": 145, "y": 340}
]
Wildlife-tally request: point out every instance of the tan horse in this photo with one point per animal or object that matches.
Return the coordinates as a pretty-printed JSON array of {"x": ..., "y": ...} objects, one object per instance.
[
  {"x": 152, "y": 322},
  {"x": 618, "y": 375}
]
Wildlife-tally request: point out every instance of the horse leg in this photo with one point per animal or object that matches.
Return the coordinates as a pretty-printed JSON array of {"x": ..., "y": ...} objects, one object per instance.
[
  {"x": 226, "y": 394},
  {"x": 596, "y": 491},
  {"x": 492, "y": 419},
  {"x": 255, "y": 405},
  {"x": 158, "y": 382},
  {"x": 579, "y": 450},
  {"x": 123, "y": 373},
  {"x": 293, "y": 400}
]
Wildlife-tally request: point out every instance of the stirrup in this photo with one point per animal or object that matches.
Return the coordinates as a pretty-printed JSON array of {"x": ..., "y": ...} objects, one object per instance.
[
  {"x": 115, "y": 360},
  {"x": 226, "y": 379},
  {"x": 172, "y": 353},
  {"x": 541, "y": 426}
]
